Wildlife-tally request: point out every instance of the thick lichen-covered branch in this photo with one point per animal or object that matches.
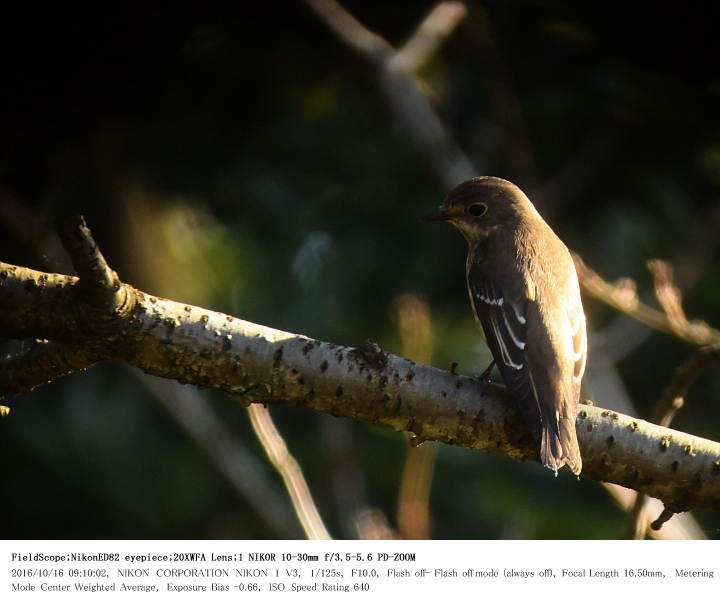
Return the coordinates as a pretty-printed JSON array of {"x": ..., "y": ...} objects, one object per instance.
[{"x": 261, "y": 364}]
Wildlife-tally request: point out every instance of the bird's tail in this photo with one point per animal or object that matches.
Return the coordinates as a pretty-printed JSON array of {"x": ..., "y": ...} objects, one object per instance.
[{"x": 559, "y": 445}]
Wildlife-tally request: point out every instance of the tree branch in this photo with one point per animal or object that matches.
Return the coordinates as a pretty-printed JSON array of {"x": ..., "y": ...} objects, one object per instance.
[
  {"x": 260, "y": 364},
  {"x": 42, "y": 363},
  {"x": 399, "y": 83},
  {"x": 290, "y": 471},
  {"x": 430, "y": 34},
  {"x": 622, "y": 296}
]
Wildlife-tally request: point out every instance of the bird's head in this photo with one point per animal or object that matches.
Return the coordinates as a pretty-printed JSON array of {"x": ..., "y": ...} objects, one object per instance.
[{"x": 484, "y": 205}]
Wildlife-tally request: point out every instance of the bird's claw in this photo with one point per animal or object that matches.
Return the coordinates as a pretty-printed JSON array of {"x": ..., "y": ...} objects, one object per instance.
[{"x": 484, "y": 378}]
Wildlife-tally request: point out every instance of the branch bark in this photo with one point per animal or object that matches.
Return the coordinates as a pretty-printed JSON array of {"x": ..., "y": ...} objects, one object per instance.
[{"x": 257, "y": 363}]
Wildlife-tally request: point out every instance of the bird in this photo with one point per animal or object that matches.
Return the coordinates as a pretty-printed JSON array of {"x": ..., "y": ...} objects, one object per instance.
[{"x": 524, "y": 292}]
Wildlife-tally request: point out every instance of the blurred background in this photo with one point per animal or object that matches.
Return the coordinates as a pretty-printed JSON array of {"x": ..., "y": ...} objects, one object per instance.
[{"x": 249, "y": 158}]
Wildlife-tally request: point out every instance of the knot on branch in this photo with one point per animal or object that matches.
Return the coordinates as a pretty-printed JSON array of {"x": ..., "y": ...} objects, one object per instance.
[{"x": 370, "y": 353}]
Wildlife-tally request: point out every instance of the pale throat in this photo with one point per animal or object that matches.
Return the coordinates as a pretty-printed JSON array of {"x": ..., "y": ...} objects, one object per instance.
[{"x": 474, "y": 233}]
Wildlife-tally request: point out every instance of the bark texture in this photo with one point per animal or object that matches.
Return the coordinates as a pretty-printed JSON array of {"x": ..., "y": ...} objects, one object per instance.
[{"x": 97, "y": 317}]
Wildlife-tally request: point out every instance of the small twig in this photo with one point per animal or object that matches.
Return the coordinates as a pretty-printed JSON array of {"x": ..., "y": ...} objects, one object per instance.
[
  {"x": 86, "y": 257},
  {"x": 667, "y": 293},
  {"x": 679, "y": 528},
  {"x": 290, "y": 471},
  {"x": 664, "y": 517},
  {"x": 97, "y": 279}
]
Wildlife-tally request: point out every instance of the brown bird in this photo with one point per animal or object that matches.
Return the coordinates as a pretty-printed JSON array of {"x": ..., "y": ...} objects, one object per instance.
[{"x": 524, "y": 292}]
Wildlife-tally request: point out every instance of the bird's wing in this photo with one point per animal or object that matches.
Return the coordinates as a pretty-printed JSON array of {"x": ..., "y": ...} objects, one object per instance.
[
  {"x": 577, "y": 329},
  {"x": 503, "y": 317},
  {"x": 574, "y": 332}
]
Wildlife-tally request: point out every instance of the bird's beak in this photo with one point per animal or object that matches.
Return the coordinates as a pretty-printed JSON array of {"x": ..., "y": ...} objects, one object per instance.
[{"x": 439, "y": 215}]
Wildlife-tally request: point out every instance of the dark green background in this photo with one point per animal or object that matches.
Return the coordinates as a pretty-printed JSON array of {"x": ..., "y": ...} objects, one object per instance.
[{"x": 265, "y": 150}]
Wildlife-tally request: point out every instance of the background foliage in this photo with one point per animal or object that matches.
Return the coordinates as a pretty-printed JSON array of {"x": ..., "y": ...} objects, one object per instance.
[{"x": 241, "y": 158}]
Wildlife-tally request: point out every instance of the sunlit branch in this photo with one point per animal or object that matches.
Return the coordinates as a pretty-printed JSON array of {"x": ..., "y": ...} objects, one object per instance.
[
  {"x": 290, "y": 471},
  {"x": 261, "y": 364},
  {"x": 622, "y": 296}
]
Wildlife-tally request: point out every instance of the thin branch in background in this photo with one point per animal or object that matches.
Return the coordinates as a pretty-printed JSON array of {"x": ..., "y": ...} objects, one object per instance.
[
  {"x": 413, "y": 513},
  {"x": 290, "y": 471},
  {"x": 238, "y": 465},
  {"x": 622, "y": 296},
  {"x": 353, "y": 33},
  {"x": 405, "y": 97},
  {"x": 622, "y": 335},
  {"x": 440, "y": 22},
  {"x": 667, "y": 293}
]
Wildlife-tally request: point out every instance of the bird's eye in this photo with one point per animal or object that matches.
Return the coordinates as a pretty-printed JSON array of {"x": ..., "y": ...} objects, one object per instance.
[{"x": 477, "y": 209}]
